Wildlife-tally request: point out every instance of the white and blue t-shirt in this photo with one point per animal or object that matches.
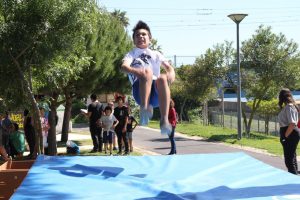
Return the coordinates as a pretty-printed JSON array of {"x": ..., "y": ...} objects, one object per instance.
[
  {"x": 108, "y": 121},
  {"x": 145, "y": 58}
]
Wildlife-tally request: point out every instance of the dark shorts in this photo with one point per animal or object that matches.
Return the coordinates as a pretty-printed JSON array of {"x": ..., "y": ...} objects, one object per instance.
[
  {"x": 107, "y": 137},
  {"x": 153, "y": 94}
]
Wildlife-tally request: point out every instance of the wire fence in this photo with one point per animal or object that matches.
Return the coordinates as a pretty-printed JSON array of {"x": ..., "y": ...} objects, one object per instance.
[{"x": 258, "y": 123}]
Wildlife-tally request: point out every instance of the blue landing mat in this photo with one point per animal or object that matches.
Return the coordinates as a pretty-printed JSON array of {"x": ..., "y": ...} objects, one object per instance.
[{"x": 198, "y": 176}]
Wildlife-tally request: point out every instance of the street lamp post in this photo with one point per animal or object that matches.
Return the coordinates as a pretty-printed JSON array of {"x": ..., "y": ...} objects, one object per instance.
[{"x": 237, "y": 18}]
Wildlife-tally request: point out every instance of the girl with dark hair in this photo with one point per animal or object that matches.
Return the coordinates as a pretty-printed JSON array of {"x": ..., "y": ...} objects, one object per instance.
[{"x": 289, "y": 132}]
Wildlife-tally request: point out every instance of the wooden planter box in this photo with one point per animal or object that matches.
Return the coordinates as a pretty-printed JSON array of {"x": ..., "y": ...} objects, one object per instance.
[{"x": 12, "y": 174}]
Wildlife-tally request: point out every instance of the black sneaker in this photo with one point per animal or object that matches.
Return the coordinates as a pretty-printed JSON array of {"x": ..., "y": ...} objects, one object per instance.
[{"x": 126, "y": 154}]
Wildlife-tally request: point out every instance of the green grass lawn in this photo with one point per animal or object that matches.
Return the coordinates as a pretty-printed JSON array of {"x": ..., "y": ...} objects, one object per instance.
[{"x": 212, "y": 133}]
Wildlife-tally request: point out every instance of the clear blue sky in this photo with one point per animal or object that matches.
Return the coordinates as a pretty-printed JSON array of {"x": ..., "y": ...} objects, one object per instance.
[{"x": 190, "y": 27}]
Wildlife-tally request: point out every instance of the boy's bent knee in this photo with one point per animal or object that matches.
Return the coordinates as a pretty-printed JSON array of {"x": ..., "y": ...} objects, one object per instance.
[
  {"x": 162, "y": 79},
  {"x": 148, "y": 73}
]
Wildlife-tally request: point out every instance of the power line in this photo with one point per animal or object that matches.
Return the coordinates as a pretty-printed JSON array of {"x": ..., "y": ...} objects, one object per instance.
[{"x": 200, "y": 9}]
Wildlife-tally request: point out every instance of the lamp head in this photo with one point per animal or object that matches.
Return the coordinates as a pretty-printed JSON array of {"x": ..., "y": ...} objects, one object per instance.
[{"x": 237, "y": 18}]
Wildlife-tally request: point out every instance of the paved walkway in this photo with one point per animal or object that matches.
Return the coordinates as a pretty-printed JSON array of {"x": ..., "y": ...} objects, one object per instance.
[{"x": 150, "y": 142}]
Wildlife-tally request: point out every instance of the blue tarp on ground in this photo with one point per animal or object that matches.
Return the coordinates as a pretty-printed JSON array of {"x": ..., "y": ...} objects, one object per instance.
[{"x": 197, "y": 176}]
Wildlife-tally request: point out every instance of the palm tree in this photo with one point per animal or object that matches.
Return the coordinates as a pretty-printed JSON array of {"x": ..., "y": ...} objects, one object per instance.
[{"x": 154, "y": 45}]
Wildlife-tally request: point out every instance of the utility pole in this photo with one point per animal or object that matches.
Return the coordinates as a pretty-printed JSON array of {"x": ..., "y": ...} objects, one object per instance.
[{"x": 175, "y": 62}]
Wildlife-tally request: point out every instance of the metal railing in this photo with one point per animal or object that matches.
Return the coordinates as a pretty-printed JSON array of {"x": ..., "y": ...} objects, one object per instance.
[{"x": 230, "y": 121}]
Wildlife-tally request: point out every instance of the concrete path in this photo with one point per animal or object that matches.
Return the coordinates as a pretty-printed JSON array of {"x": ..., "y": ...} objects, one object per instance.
[{"x": 153, "y": 141}]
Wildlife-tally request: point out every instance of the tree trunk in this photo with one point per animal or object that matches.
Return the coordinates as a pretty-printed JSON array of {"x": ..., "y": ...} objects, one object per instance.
[
  {"x": 182, "y": 110},
  {"x": 267, "y": 120},
  {"x": 67, "y": 117},
  {"x": 38, "y": 149},
  {"x": 253, "y": 111},
  {"x": 52, "y": 146},
  {"x": 205, "y": 113}
]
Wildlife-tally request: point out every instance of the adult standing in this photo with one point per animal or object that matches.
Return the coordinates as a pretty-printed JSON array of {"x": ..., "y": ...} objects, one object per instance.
[
  {"x": 6, "y": 124},
  {"x": 289, "y": 132},
  {"x": 172, "y": 120},
  {"x": 3, "y": 152},
  {"x": 29, "y": 133},
  {"x": 95, "y": 111},
  {"x": 121, "y": 113}
]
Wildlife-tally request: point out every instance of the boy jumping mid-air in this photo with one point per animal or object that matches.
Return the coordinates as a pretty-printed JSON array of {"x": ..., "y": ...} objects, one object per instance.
[{"x": 149, "y": 88}]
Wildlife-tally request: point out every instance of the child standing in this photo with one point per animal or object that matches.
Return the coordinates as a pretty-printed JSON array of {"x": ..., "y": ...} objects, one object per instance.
[
  {"x": 150, "y": 88},
  {"x": 114, "y": 138},
  {"x": 131, "y": 124},
  {"x": 16, "y": 141},
  {"x": 173, "y": 121},
  {"x": 107, "y": 122},
  {"x": 45, "y": 128}
]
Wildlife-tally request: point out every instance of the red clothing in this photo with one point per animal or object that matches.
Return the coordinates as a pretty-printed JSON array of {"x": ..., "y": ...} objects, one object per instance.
[{"x": 172, "y": 117}]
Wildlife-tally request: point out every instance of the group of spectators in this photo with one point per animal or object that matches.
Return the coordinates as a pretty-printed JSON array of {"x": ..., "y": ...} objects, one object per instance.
[
  {"x": 108, "y": 122},
  {"x": 12, "y": 141}
]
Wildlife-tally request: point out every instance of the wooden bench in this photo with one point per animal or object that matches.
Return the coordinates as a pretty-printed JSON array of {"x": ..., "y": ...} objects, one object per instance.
[{"x": 12, "y": 173}]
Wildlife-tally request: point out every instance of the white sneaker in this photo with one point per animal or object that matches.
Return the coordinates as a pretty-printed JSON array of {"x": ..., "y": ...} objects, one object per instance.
[
  {"x": 144, "y": 119},
  {"x": 150, "y": 111},
  {"x": 165, "y": 129}
]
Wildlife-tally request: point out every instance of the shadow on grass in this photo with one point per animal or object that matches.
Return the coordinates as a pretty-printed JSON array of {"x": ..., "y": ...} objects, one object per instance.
[
  {"x": 232, "y": 138},
  {"x": 223, "y": 138}
]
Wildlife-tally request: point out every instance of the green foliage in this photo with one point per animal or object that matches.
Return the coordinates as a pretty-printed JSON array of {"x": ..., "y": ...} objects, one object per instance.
[
  {"x": 208, "y": 69},
  {"x": 121, "y": 16},
  {"x": 154, "y": 45},
  {"x": 198, "y": 83},
  {"x": 134, "y": 107},
  {"x": 76, "y": 106},
  {"x": 34, "y": 33},
  {"x": 266, "y": 108},
  {"x": 194, "y": 115},
  {"x": 80, "y": 118},
  {"x": 107, "y": 46},
  {"x": 268, "y": 64}
]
